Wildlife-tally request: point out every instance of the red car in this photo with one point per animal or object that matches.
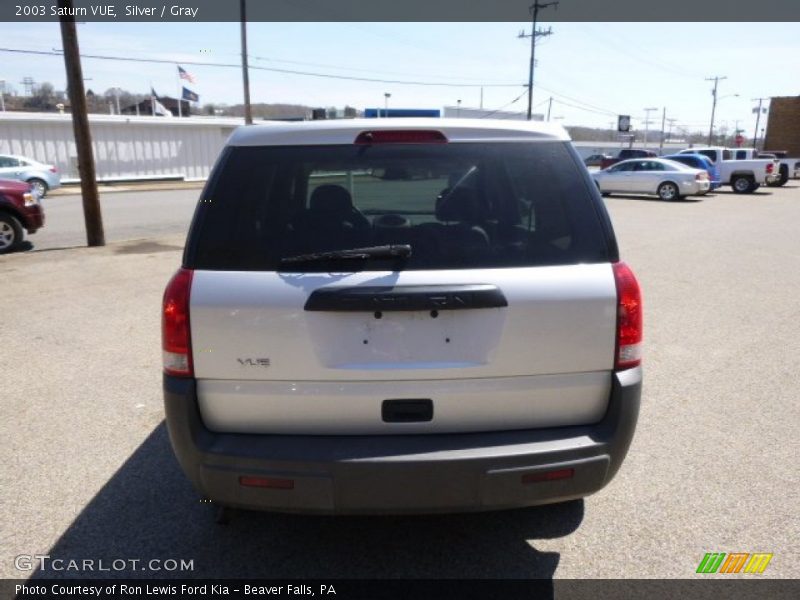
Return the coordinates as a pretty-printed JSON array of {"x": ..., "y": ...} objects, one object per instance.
[{"x": 19, "y": 209}]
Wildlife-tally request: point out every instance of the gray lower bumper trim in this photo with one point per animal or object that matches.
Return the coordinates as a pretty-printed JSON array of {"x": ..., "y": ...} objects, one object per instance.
[{"x": 402, "y": 474}]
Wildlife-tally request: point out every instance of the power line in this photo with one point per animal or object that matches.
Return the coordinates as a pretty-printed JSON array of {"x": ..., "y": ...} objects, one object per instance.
[
  {"x": 355, "y": 69},
  {"x": 272, "y": 69},
  {"x": 496, "y": 110}
]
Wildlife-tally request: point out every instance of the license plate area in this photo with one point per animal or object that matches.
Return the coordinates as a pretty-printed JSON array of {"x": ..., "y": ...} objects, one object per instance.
[{"x": 406, "y": 339}]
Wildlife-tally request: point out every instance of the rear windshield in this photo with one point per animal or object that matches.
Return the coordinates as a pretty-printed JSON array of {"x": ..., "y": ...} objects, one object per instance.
[{"x": 458, "y": 206}]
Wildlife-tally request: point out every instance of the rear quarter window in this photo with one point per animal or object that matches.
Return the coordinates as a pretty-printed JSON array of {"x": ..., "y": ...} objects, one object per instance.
[{"x": 458, "y": 205}]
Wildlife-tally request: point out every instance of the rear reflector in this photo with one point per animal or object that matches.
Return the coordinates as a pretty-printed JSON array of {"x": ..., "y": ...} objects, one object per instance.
[
  {"x": 400, "y": 136},
  {"x": 175, "y": 333},
  {"x": 267, "y": 482},
  {"x": 548, "y": 476},
  {"x": 629, "y": 318}
]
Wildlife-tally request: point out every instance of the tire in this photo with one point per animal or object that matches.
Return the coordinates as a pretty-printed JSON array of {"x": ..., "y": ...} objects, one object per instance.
[
  {"x": 38, "y": 186},
  {"x": 10, "y": 233},
  {"x": 669, "y": 192},
  {"x": 743, "y": 184},
  {"x": 602, "y": 193},
  {"x": 784, "y": 177}
]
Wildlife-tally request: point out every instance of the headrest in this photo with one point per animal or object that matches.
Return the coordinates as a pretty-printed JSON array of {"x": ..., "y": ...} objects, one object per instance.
[
  {"x": 330, "y": 198},
  {"x": 460, "y": 205}
]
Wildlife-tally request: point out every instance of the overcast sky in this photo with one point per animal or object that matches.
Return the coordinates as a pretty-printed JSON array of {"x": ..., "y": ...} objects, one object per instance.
[{"x": 594, "y": 71}]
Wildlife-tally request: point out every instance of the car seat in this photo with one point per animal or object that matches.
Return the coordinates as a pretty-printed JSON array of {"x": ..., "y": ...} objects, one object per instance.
[{"x": 331, "y": 221}]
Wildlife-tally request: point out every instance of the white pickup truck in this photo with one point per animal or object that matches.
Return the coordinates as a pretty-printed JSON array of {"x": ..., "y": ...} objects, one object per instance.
[{"x": 745, "y": 175}]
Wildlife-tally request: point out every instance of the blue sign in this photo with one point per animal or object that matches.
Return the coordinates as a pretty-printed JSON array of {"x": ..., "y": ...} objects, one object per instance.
[{"x": 376, "y": 113}]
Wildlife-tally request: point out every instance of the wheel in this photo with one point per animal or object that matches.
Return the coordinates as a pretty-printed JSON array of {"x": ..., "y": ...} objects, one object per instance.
[
  {"x": 742, "y": 184},
  {"x": 784, "y": 178},
  {"x": 668, "y": 191},
  {"x": 602, "y": 193},
  {"x": 10, "y": 233},
  {"x": 39, "y": 187}
]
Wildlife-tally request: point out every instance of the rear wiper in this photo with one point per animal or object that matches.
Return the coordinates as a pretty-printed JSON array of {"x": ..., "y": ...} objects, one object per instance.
[{"x": 389, "y": 251}]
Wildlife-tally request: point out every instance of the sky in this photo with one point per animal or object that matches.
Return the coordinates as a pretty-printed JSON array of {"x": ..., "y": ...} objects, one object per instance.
[{"x": 593, "y": 71}]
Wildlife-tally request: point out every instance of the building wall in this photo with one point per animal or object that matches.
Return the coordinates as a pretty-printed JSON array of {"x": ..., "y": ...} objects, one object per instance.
[
  {"x": 125, "y": 147},
  {"x": 783, "y": 125}
]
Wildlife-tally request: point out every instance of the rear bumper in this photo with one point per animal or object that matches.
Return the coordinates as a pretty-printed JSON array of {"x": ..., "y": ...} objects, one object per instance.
[{"x": 402, "y": 473}]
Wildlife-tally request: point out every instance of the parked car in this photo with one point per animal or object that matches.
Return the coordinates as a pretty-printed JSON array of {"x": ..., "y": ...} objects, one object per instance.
[
  {"x": 464, "y": 338},
  {"x": 625, "y": 154},
  {"x": 41, "y": 177},
  {"x": 19, "y": 210},
  {"x": 595, "y": 160},
  {"x": 743, "y": 175},
  {"x": 667, "y": 179},
  {"x": 698, "y": 161}
]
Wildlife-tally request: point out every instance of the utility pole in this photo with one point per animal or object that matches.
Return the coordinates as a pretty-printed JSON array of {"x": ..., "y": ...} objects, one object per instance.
[
  {"x": 663, "y": 120},
  {"x": 671, "y": 123},
  {"x": 549, "y": 106},
  {"x": 716, "y": 81},
  {"x": 481, "y": 97},
  {"x": 647, "y": 112},
  {"x": 758, "y": 120},
  {"x": 80, "y": 125},
  {"x": 534, "y": 10},
  {"x": 248, "y": 112}
]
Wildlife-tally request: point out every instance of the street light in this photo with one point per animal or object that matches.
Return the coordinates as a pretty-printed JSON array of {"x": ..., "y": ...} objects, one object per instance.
[
  {"x": 647, "y": 112},
  {"x": 386, "y": 97},
  {"x": 116, "y": 91}
]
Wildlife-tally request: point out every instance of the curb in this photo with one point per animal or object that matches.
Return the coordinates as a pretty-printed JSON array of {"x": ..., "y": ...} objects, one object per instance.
[{"x": 75, "y": 190}]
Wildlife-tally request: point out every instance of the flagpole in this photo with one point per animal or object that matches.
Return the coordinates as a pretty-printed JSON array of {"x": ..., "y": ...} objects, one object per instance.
[{"x": 180, "y": 94}]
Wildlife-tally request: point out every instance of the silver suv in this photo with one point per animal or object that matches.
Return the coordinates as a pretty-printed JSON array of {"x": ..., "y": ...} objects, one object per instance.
[{"x": 401, "y": 316}]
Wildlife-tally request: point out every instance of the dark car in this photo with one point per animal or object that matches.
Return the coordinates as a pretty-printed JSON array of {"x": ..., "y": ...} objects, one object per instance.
[
  {"x": 595, "y": 160},
  {"x": 625, "y": 154},
  {"x": 699, "y": 161},
  {"x": 19, "y": 210}
]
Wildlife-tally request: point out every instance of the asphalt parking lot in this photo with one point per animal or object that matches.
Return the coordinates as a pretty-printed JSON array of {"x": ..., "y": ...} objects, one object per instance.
[{"x": 87, "y": 471}]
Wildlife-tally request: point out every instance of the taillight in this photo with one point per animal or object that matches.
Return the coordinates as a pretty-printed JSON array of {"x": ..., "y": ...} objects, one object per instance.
[
  {"x": 629, "y": 318},
  {"x": 175, "y": 334},
  {"x": 54, "y": 169},
  {"x": 770, "y": 167},
  {"x": 400, "y": 136}
]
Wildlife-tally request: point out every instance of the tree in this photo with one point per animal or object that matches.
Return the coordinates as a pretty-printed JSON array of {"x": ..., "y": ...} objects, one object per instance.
[{"x": 43, "y": 98}]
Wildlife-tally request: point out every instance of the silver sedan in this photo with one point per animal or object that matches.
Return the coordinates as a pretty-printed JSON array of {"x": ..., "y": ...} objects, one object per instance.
[
  {"x": 667, "y": 179},
  {"x": 41, "y": 177}
]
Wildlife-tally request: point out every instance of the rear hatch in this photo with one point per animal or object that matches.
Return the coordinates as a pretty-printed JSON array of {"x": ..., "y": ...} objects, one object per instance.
[{"x": 401, "y": 288}]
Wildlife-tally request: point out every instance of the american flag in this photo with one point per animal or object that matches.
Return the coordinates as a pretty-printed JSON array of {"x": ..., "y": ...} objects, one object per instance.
[{"x": 184, "y": 74}]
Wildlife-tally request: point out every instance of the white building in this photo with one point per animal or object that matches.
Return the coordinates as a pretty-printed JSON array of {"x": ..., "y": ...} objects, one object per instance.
[{"x": 125, "y": 147}]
